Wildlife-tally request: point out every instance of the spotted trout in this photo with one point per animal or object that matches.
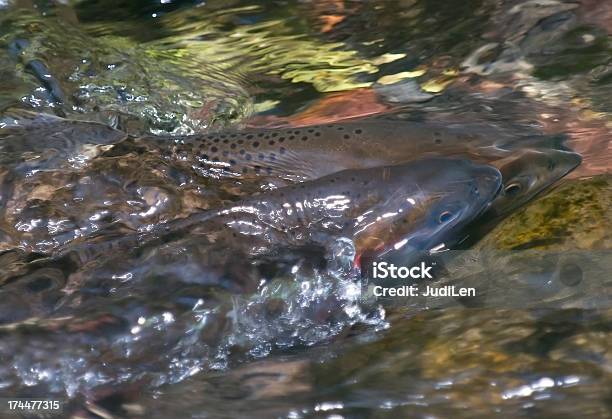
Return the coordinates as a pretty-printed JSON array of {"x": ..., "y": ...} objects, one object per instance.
[
  {"x": 297, "y": 154},
  {"x": 528, "y": 164},
  {"x": 417, "y": 204}
]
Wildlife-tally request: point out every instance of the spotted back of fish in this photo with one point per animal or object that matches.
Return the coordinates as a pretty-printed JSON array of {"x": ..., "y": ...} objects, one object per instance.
[{"x": 297, "y": 154}]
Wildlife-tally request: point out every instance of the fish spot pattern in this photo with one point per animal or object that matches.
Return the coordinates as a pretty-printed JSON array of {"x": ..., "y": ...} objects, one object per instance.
[{"x": 240, "y": 150}]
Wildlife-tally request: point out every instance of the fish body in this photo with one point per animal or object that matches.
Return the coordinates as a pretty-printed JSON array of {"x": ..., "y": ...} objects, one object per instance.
[
  {"x": 298, "y": 154},
  {"x": 528, "y": 164},
  {"x": 416, "y": 204}
]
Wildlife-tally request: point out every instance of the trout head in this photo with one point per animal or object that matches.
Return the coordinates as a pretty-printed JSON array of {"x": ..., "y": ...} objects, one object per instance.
[
  {"x": 424, "y": 205},
  {"x": 529, "y": 173}
]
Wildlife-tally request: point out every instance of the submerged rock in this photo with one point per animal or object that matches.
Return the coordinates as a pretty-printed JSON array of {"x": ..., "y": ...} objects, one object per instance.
[{"x": 62, "y": 69}]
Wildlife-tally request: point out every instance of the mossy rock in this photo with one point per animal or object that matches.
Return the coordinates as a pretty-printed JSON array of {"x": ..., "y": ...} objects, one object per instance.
[{"x": 576, "y": 215}]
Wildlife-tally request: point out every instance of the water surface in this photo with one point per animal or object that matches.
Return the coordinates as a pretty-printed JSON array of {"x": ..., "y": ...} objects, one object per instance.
[{"x": 304, "y": 344}]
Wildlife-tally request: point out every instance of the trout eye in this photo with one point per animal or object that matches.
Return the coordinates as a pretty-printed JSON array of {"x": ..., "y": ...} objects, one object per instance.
[
  {"x": 445, "y": 216},
  {"x": 513, "y": 189}
]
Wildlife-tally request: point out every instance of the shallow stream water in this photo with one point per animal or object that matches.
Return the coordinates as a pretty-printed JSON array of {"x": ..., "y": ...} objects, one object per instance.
[{"x": 188, "y": 326}]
